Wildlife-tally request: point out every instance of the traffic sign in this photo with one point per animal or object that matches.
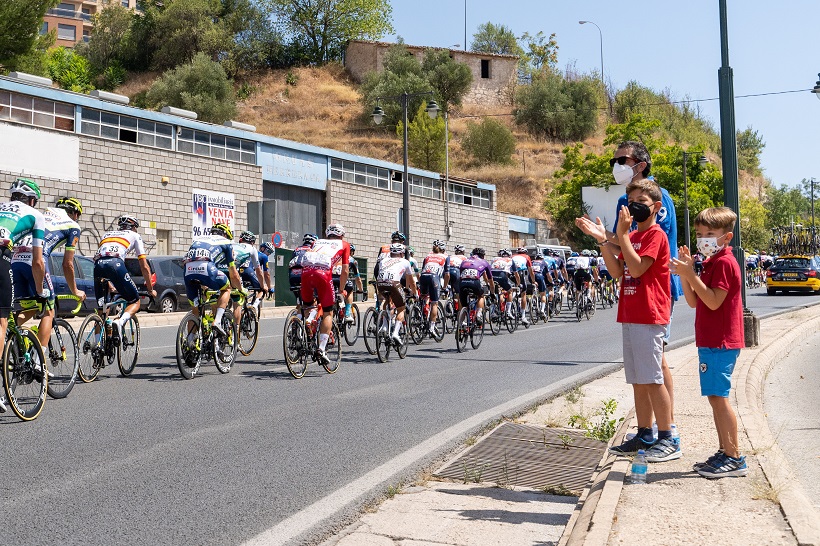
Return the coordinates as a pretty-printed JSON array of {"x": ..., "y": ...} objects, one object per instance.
[{"x": 276, "y": 239}]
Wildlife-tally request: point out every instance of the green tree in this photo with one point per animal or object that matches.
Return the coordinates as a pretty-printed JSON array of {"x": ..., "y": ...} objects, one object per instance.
[
  {"x": 20, "y": 22},
  {"x": 185, "y": 28},
  {"x": 107, "y": 40},
  {"x": 497, "y": 39},
  {"x": 325, "y": 26},
  {"x": 489, "y": 141},
  {"x": 201, "y": 86},
  {"x": 541, "y": 53},
  {"x": 35, "y": 61},
  {"x": 449, "y": 79},
  {"x": 753, "y": 230},
  {"x": 70, "y": 70},
  {"x": 784, "y": 205},
  {"x": 256, "y": 42},
  {"x": 558, "y": 109},
  {"x": 401, "y": 73},
  {"x": 749, "y": 147},
  {"x": 425, "y": 140}
]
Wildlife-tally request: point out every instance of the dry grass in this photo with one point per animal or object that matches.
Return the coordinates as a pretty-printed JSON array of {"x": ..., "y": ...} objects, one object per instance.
[{"x": 137, "y": 83}]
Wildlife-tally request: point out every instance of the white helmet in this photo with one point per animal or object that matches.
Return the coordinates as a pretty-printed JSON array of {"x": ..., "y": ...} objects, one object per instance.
[
  {"x": 397, "y": 248},
  {"x": 337, "y": 230}
]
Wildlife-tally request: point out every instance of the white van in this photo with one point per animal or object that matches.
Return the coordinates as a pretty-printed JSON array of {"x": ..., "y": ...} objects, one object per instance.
[{"x": 565, "y": 251}]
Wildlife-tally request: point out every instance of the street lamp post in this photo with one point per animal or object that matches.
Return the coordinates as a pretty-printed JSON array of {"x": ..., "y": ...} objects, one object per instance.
[
  {"x": 601, "y": 36},
  {"x": 378, "y": 116},
  {"x": 702, "y": 160}
]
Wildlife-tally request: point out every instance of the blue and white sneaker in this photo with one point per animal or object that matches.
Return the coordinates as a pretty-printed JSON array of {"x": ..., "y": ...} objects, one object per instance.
[
  {"x": 725, "y": 467},
  {"x": 631, "y": 447},
  {"x": 663, "y": 450},
  {"x": 710, "y": 460}
]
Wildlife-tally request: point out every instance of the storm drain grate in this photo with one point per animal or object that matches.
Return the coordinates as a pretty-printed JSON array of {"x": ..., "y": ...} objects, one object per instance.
[{"x": 529, "y": 456}]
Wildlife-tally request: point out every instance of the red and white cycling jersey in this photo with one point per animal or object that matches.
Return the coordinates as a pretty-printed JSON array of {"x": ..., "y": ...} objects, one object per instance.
[
  {"x": 456, "y": 259},
  {"x": 116, "y": 244},
  {"x": 393, "y": 269},
  {"x": 326, "y": 253},
  {"x": 521, "y": 262},
  {"x": 502, "y": 263},
  {"x": 435, "y": 264}
]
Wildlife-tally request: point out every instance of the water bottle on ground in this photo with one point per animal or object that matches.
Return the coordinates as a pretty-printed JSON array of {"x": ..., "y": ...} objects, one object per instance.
[
  {"x": 637, "y": 473},
  {"x": 655, "y": 429},
  {"x": 675, "y": 436}
]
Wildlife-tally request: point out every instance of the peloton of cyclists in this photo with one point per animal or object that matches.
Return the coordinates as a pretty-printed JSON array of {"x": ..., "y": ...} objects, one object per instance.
[
  {"x": 435, "y": 274},
  {"x": 522, "y": 264},
  {"x": 502, "y": 270},
  {"x": 393, "y": 270}
]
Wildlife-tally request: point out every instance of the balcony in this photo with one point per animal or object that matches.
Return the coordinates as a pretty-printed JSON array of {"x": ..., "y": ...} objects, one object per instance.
[{"x": 69, "y": 14}]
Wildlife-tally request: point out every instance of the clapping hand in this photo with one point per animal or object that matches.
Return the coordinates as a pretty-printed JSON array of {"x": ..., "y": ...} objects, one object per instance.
[
  {"x": 684, "y": 264},
  {"x": 594, "y": 229},
  {"x": 624, "y": 222}
]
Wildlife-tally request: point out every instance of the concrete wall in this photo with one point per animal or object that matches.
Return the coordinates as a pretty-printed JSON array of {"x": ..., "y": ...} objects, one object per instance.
[
  {"x": 117, "y": 177},
  {"x": 370, "y": 215}
]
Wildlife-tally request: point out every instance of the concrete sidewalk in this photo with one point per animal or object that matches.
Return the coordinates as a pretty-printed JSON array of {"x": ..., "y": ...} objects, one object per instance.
[{"x": 676, "y": 506}]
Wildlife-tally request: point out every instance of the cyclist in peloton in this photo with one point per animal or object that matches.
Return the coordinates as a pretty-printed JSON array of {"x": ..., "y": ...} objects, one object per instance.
[
  {"x": 455, "y": 267},
  {"x": 435, "y": 274},
  {"x": 61, "y": 228},
  {"x": 206, "y": 263},
  {"x": 246, "y": 259},
  {"x": 393, "y": 270},
  {"x": 414, "y": 263},
  {"x": 317, "y": 275},
  {"x": 384, "y": 252},
  {"x": 296, "y": 264},
  {"x": 474, "y": 270},
  {"x": 266, "y": 251},
  {"x": 604, "y": 276},
  {"x": 18, "y": 221},
  {"x": 526, "y": 278},
  {"x": 353, "y": 276},
  {"x": 109, "y": 264},
  {"x": 583, "y": 273},
  {"x": 541, "y": 268},
  {"x": 502, "y": 270}
]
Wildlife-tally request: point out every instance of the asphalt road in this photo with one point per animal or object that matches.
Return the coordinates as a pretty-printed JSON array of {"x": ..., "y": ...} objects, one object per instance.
[{"x": 152, "y": 458}]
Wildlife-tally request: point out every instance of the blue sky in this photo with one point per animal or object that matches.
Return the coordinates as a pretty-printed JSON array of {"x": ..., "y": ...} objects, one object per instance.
[{"x": 670, "y": 45}]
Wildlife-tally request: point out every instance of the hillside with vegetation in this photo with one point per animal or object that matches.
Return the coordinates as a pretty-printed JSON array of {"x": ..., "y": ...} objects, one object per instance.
[{"x": 276, "y": 64}]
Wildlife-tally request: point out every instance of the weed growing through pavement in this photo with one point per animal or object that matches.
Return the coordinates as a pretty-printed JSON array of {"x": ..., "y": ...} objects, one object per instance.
[
  {"x": 505, "y": 482},
  {"x": 393, "y": 490},
  {"x": 566, "y": 440},
  {"x": 604, "y": 428},
  {"x": 473, "y": 471},
  {"x": 574, "y": 394},
  {"x": 560, "y": 490},
  {"x": 763, "y": 490},
  {"x": 470, "y": 441}
]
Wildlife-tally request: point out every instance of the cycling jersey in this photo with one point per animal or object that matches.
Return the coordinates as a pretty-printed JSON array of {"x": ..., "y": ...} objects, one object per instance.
[
  {"x": 541, "y": 270},
  {"x": 118, "y": 243},
  {"x": 326, "y": 253},
  {"x": 263, "y": 260},
  {"x": 521, "y": 262},
  {"x": 212, "y": 248},
  {"x": 455, "y": 261},
  {"x": 393, "y": 270},
  {"x": 436, "y": 264},
  {"x": 245, "y": 257},
  {"x": 60, "y": 228},
  {"x": 581, "y": 262},
  {"x": 472, "y": 271},
  {"x": 501, "y": 265},
  {"x": 352, "y": 273},
  {"x": 18, "y": 220},
  {"x": 752, "y": 261},
  {"x": 570, "y": 265},
  {"x": 295, "y": 267}
]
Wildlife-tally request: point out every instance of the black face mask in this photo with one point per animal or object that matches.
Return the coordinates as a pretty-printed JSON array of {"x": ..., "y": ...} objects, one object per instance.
[{"x": 639, "y": 211}]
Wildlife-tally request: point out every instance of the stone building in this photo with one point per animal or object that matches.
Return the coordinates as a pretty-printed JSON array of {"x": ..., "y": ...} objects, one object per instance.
[{"x": 493, "y": 75}]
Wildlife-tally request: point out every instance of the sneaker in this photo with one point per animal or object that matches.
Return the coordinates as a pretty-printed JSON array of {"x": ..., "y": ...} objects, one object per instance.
[
  {"x": 724, "y": 466},
  {"x": 663, "y": 450},
  {"x": 710, "y": 460},
  {"x": 630, "y": 447},
  {"x": 3, "y": 408}
]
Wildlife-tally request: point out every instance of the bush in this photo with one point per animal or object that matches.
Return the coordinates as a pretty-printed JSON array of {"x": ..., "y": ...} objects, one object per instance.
[
  {"x": 489, "y": 142},
  {"x": 70, "y": 70},
  {"x": 559, "y": 109},
  {"x": 201, "y": 86}
]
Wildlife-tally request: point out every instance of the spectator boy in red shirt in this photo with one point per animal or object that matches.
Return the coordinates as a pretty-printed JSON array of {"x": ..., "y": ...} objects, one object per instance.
[
  {"x": 715, "y": 295},
  {"x": 643, "y": 311}
]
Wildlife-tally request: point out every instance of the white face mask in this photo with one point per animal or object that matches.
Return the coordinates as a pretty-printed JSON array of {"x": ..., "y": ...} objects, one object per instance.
[
  {"x": 623, "y": 174},
  {"x": 708, "y": 246}
]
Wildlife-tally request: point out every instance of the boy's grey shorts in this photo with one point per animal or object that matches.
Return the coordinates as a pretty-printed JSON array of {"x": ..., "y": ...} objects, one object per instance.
[{"x": 643, "y": 353}]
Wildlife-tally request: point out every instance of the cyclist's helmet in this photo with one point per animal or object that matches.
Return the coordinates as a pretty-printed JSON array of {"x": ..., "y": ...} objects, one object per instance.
[
  {"x": 505, "y": 252},
  {"x": 70, "y": 205},
  {"x": 478, "y": 251},
  {"x": 128, "y": 222},
  {"x": 412, "y": 250},
  {"x": 520, "y": 250},
  {"x": 539, "y": 256},
  {"x": 585, "y": 252},
  {"x": 309, "y": 239},
  {"x": 335, "y": 230},
  {"x": 222, "y": 229},
  {"x": 397, "y": 237},
  {"x": 397, "y": 248},
  {"x": 352, "y": 249},
  {"x": 458, "y": 249},
  {"x": 268, "y": 248},
  {"x": 440, "y": 244},
  {"x": 247, "y": 237},
  {"x": 594, "y": 253},
  {"x": 573, "y": 255},
  {"x": 25, "y": 187}
]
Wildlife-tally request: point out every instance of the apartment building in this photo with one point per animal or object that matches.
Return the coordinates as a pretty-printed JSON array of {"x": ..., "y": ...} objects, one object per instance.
[{"x": 72, "y": 19}]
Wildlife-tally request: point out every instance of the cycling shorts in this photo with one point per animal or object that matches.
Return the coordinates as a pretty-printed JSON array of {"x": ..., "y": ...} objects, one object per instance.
[
  {"x": 349, "y": 286},
  {"x": 114, "y": 270},
  {"x": 25, "y": 288},
  {"x": 526, "y": 286},
  {"x": 604, "y": 274},
  {"x": 502, "y": 280},
  {"x": 6, "y": 284},
  {"x": 203, "y": 274},
  {"x": 580, "y": 277},
  {"x": 430, "y": 284},
  {"x": 392, "y": 292},
  {"x": 470, "y": 286},
  {"x": 320, "y": 280},
  {"x": 455, "y": 278},
  {"x": 248, "y": 276},
  {"x": 541, "y": 283}
]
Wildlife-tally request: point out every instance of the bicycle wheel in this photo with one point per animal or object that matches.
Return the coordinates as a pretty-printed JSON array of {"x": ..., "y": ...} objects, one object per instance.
[
  {"x": 248, "y": 330},
  {"x": 440, "y": 324},
  {"x": 383, "y": 341},
  {"x": 25, "y": 389},
  {"x": 532, "y": 309},
  {"x": 63, "y": 359},
  {"x": 369, "y": 330},
  {"x": 493, "y": 316},
  {"x": 295, "y": 345},
  {"x": 579, "y": 309},
  {"x": 351, "y": 332},
  {"x": 129, "y": 348},
  {"x": 226, "y": 346},
  {"x": 91, "y": 343},
  {"x": 558, "y": 303},
  {"x": 401, "y": 350},
  {"x": 462, "y": 330},
  {"x": 417, "y": 324},
  {"x": 189, "y": 346},
  {"x": 476, "y": 333},
  {"x": 449, "y": 317},
  {"x": 333, "y": 349}
]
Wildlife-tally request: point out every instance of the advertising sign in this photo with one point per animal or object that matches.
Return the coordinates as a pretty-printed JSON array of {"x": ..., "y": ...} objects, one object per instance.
[
  {"x": 209, "y": 208},
  {"x": 293, "y": 167}
]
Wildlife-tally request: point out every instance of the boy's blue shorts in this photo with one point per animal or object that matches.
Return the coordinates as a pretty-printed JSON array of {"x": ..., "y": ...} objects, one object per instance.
[{"x": 716, "y": 367}]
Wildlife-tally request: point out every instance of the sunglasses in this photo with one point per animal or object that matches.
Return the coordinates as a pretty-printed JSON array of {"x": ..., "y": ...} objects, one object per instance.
[{"x": 621, "y": 160}]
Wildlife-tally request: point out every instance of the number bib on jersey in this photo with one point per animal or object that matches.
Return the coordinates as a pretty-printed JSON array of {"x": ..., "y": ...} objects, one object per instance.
[{"x": 469, "y": 274}]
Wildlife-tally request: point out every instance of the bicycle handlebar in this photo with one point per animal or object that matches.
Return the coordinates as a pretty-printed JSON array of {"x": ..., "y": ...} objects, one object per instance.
[{"x": 72, "y": 297}]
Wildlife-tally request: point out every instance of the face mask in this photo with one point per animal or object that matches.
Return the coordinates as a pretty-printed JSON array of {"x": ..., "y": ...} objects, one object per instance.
[
  {"x": 623, "y": 173},
  {"x": 708, "y": 246},
  {"x": 639, "y": 211}
]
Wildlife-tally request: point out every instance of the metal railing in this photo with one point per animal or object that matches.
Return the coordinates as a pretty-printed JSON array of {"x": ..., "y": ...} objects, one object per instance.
[{"x": 69, "y": 13}]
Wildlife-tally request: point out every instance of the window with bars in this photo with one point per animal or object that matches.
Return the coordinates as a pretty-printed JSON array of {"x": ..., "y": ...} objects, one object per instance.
[
  {"x": 36, "y": 111},
  {"x": 468, "y": 195},
  {"x": 217, "y": 146},
  {"x": 127, "y": 129},
  {"x": 359, "y": 173},
  {"x": 425, "y": 187}
]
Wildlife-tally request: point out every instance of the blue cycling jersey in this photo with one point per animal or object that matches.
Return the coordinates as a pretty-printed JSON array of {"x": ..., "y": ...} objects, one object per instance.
[{"x": 212, "y": 248}]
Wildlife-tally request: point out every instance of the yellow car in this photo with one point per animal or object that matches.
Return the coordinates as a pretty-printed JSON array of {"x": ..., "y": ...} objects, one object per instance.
[{"x": 796, "y": 273}]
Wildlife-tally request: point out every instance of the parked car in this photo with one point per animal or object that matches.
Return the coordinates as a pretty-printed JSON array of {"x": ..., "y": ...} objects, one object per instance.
[
  {"x": 84, "y": 277},
  {"x": 798, "y": 273},
  {"x": 168, "y": 278}
]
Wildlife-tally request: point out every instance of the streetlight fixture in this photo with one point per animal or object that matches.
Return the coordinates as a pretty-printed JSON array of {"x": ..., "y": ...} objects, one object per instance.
[
  {"x": 816, "y": 89},
  {"x": 601, "y": 36},
  {"x": 702, "y": 160},
  {"x": 378, "y": 117}
]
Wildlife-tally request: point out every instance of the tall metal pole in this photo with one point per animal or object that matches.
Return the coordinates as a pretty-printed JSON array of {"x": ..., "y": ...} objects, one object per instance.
[
  {"x": 728, "y": 142},
  {"x": 686, "y": 201},
  {"x": 813, "y": 245},
  {"x": 465, "y": 26},
  {"x": 446, "y": 171},
  {"x": 405, "y": 191}
]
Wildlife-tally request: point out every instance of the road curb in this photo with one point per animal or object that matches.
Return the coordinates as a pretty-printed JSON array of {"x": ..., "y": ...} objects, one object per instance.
[{"x": 803, "y": 518}]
